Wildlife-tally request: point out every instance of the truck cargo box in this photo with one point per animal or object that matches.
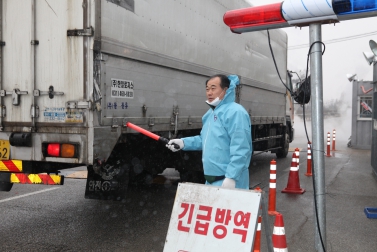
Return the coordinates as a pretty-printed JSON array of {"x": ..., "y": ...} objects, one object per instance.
[{"x": 74, "y": 72}]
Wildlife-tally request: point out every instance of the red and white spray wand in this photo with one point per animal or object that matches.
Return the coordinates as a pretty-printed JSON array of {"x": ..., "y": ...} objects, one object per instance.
[{"x": 150, "y": 134}]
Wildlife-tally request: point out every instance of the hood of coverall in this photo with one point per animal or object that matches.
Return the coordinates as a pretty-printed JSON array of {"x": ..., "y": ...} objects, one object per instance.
[{"x": 230, "y": 94}]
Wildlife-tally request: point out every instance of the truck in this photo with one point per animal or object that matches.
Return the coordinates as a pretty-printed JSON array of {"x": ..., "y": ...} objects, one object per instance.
[{"x": 75, "y": 72}]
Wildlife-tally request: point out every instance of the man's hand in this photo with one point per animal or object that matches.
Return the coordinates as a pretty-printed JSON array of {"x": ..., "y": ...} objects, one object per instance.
[
  {"x": 229, "y": 183},
  {"x": 175, "y": 142}
]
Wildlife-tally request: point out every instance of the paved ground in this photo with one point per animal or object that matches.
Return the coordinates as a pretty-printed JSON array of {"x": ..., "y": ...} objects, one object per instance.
[{"x": 351, "y": 185}]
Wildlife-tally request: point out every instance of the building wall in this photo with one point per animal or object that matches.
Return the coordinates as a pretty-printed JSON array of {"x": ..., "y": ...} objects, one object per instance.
[
  {"x": 374, "y": 129},
  {"x": 362, "y": 107}
]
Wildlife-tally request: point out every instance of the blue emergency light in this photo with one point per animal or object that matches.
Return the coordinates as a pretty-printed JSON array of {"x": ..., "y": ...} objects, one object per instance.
[
  {"x": 352, "y": 9},
  {"x": 298, "y": 13}
]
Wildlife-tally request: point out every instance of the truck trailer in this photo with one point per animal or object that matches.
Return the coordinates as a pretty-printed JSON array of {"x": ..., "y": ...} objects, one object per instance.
[{"x": 75, "y": 72}]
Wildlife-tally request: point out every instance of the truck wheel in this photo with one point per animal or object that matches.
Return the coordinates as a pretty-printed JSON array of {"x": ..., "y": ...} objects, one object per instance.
[
  {"x": 191, "y": 168},
  {"x": 5, "y": 186},
  {"x": 143, "y": 178},
  {"x": 192, "y": 176},
  {"x": 283, "y": 152}
]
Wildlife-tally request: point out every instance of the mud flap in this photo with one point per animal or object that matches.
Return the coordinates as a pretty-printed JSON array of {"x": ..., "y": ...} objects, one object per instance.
[{"x": 101, "y": 189}]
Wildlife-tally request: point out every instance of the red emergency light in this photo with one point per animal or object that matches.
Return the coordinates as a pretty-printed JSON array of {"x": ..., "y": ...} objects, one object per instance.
[{"x": 255, "y": 18}]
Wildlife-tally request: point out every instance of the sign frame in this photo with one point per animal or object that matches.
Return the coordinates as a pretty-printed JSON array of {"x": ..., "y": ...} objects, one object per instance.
[{"x": 195, "y": 225}]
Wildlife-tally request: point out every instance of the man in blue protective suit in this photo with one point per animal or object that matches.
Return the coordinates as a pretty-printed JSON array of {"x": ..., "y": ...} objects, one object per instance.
[{"x": 225, "y": 139}]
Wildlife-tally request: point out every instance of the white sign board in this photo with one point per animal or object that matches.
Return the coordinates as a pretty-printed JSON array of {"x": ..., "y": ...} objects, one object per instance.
[
  {"x": 122, "y": 88},
  {"x": 209, "y": 218}
]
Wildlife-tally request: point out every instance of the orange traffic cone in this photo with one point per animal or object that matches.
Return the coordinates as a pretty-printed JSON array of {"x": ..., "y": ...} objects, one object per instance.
[
  {"x": 293, "y": 185},
  {"x": 297, "y": 152},
  {"x": 328, "y": 145},
  {"x": 258, "y": 235},
  {"x": 258, "y": 189},
  {"x": 279, "y": 240},
  {"x": 309, "y": 161},
  {"x": 333, "y": 139}
]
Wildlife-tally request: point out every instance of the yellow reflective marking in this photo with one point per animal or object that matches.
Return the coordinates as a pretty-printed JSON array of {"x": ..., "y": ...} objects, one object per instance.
[
  {"x": 56, "y": 178},
  {"x": 35, "y": 179},
  {"x": 42, "y": 178},
  {"x": 11, "y": 165},
  {"x": 14, "y": 178}
]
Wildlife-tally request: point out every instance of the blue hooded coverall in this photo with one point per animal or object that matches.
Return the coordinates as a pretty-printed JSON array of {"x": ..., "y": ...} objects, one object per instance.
[{"x": 225, "y": 140}]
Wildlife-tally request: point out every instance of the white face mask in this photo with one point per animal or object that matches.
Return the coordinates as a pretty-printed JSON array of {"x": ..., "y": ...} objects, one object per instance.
[{"x": 215, "y": 102}]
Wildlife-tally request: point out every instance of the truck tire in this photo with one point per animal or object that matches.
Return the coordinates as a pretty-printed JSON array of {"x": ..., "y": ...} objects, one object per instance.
[
  {"x": 191, "y": 167},
  {"x": 283, "y": 152},
  {"x": 141, "y": 179},
  {"x": 192, "y": 176},
  {"x": 5, "y": 186}
]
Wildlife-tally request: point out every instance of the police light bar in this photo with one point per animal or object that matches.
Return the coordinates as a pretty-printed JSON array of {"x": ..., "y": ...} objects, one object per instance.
[
  {"x": 307, "y": 11},
  {"x": 297, "y": 13}
]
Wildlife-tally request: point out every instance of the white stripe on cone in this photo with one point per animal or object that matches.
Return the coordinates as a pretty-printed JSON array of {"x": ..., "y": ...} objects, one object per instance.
[
  {"x": 280, "y": 250},
  {"x": 279, "y": 231}
]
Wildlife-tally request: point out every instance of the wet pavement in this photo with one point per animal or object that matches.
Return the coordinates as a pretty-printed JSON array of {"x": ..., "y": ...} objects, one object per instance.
[
  {"x": 351, "y": 186},
  {"x": 140, "y": 223}
]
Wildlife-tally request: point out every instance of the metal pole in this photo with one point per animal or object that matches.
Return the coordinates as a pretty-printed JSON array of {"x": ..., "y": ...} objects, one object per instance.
[
  {"x": 318, "y": 135},
  {"x": 266, "y": 224}
]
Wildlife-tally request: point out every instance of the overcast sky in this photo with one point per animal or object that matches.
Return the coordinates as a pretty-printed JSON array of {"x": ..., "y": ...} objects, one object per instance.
[{"x": 345, "y": 44}]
